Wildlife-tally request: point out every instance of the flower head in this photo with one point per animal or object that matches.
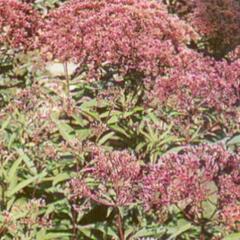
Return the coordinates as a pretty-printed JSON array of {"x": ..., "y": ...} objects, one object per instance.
[
  {"x": 18, "y": 23},
  {"x": 114, "y": 174}
]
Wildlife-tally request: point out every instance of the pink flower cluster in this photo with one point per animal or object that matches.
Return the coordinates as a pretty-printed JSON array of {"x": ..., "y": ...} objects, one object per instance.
[
  {"x": 235, "y": 54},
  {"x": 230, "y": 216},
  {"x": 18, "y": 23},
  {"x": 197, "y": 175},
  {"x": 127, "y": 36},
  {"x": 195, "y": 81},
  {"x": 114, "y": 175},
  {"x": 187, "y": 180},
  {"x": 133, "y": 36}
]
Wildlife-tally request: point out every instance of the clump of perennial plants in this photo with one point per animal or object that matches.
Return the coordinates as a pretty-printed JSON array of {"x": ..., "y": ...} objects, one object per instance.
[
  {"x": 141, "y": 39},
  {"x": 145, "y": 81},
  {"x": 111, "y": 181}
]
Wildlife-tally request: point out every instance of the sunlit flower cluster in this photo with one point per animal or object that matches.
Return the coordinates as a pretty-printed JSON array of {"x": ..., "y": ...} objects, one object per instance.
[
  {"x": 217, "y": 21},
  {"x": 126, "y": 36}
]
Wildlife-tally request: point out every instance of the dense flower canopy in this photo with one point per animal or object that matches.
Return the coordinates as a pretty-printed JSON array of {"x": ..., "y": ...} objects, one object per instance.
[
  {"x": 218, "y": 22},
  {"x": 129, "y": 35}
]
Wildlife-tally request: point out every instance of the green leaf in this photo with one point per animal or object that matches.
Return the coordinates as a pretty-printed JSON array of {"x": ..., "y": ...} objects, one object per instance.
[
  {"x": 57, "y": 236},
  {"x": 83, "y": 134},
  {"x": 25, "y": 183},
  {"x": 114, "y": 119},
  {"x": 60, "y": 178},
  {"x": 104, "y": 228},
  {"x": 65, "y": 131},
  {"x": 5, "y": 123},
  {"x": 41, "y": 235},
  {"x": 90, "y": 114},
  {"x": 11, "y": 140},
  {"x": 12, "y": 173},
  {"x": 13, "y": 170},
  {"x": 234, "y": 140},
  {"x": 106, "y": 138},
  {"x": 183, "y": 227},
  {"x": 120, "y": 130},
  {"x": 174, "y": 150},
  {"x": 149, "y": 231},
  {"x": 210, "y": 205},
  {"x": 89, "y": 104},
  {"x": 79, "y": 120}
]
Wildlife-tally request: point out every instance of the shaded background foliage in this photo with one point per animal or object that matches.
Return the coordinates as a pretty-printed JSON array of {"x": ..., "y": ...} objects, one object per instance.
[{"x": 119, "y": 119}]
